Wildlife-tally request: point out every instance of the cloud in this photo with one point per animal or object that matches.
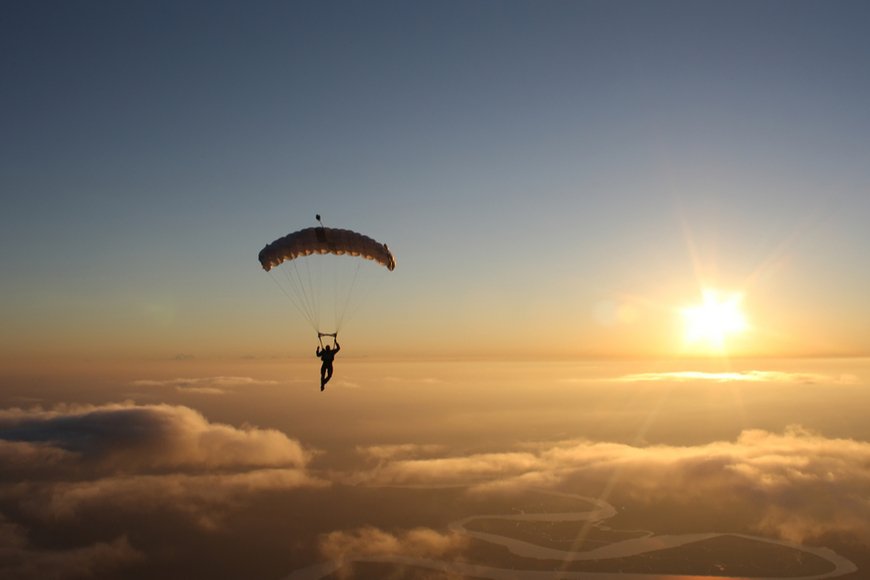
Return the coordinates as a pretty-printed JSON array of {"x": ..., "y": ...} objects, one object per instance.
[
  {"x": 374, "y": 542},
  {"x": 25, "y": 460},
  {"x": 801, "y": 484},
  {"x": 129, "y": 437},
  {"x": 204, "y": 498},
  {"x": 204, "y": 385},
  {"x": 421, "y": 380},
  {"x": 72, "y": 464},
  {"x": 19, "y": 560},
  {"x": 448, "y": 470},
  {"x": 385, "y": 452},
  {"x": 345, "y": 384},
  {"x": 123, "y": 456},
  {"x": 742, "y": 376}
]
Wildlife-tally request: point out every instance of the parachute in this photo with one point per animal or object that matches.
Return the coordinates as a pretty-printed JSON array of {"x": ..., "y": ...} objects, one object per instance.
[
  {"x": 325, "y": 272},
  {"x": 321, "y": 240}
]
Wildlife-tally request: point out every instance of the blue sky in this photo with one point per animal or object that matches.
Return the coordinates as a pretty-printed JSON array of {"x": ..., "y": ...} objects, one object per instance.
[{"x": 526, "y": 162}]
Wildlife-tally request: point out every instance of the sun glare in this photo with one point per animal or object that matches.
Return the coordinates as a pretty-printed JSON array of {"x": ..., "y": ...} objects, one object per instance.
[{"x": 712, "y": 321}]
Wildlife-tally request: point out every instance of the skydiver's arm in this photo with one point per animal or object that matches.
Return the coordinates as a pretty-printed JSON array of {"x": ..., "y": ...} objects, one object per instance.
[
  {"x": 317, "y": 352},
  {"x": 337, "y": 346}
]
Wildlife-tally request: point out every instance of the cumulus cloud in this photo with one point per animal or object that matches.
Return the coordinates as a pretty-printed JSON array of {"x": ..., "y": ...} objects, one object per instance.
[
  {"x": 204, "y": 498},
  {"x": 130, "y": 437},
  {"x": 449, "y": 470},
  {"x": 801, "y": 484},
  {"x": 203, "y": 385},
  {"x": 374, "y": 542},
  {"x": 138, "y": 457},
  {"x": 19, "y": 560},
  {"x": 743, "y": 376},
  {"x": 22, "y": 459}
]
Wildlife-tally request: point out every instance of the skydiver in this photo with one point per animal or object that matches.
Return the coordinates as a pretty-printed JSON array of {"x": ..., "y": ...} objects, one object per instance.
[{"x": 327, "y": 355}]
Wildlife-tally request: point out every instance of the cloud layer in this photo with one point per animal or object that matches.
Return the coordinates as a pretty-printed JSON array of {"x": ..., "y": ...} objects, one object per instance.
[
  {"x": 742, "y": 376},
  {"x": 71, "y": 462},
  {"x": 802, "y": 484},
  {"x": 203, "y": 385}
]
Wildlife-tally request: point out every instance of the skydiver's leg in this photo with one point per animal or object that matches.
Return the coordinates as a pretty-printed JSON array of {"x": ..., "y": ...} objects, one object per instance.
[
  {"x": 328, "y": 374},
  {"x": 323, "y": 377}
]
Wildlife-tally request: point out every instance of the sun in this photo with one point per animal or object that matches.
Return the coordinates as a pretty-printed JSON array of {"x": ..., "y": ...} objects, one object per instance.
[{"x": 717, "y": 317}]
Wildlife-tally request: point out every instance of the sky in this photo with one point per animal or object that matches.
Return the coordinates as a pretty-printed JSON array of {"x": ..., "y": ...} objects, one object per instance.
[
  {"x": 536, "y": 168},
  {"x": 627, "y": 334}
]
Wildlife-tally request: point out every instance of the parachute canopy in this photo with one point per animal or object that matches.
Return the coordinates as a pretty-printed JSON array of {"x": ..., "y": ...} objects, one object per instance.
[
  {"x": 324, "y": 272},
  {"x": 322, "y": 240}
]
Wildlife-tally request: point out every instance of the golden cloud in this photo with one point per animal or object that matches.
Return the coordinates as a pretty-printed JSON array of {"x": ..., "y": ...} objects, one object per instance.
[
  {"x": 385, "y": 452},
  {"x": 130, "y": 437},
  {"x": 141, "y": 457},
  {"x": 205, "y": 498},
  {"x": 374, "y": 542},
  {"x": 203, "y": 385},
  {"x": 801, "y": 483},
  {"x": 742, "y": 376}
]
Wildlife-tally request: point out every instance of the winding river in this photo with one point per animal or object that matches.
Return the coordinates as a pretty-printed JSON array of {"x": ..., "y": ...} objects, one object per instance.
[{"x": 601, "y": 511}]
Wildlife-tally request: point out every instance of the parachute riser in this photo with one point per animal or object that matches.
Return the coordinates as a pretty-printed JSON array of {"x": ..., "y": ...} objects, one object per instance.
[{"x": 320, "y": 336}]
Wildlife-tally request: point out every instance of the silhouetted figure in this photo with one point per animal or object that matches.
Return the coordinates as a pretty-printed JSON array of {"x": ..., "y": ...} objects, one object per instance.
[{"x": 327, "y": 355}]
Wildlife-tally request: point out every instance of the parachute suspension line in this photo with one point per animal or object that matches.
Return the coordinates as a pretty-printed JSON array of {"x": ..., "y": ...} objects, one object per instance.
[
  {"x": 300, "y": 296},
  {"x": 292, "y": 298},
  {"x": 312, "y": 286},
  {"x": 308, "y": 288},
  {"x": 297, "y": 296},
  {"x": 306, "y": 285},
  {"x": 371, "y": 285},
  {"x": 315, "y": 298},
  {"x": 342, "y": 312},
  {"x": 335, "y": 314},
  {"x": 299, "y": 288},
  {"x": 339, "y": 283}
]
